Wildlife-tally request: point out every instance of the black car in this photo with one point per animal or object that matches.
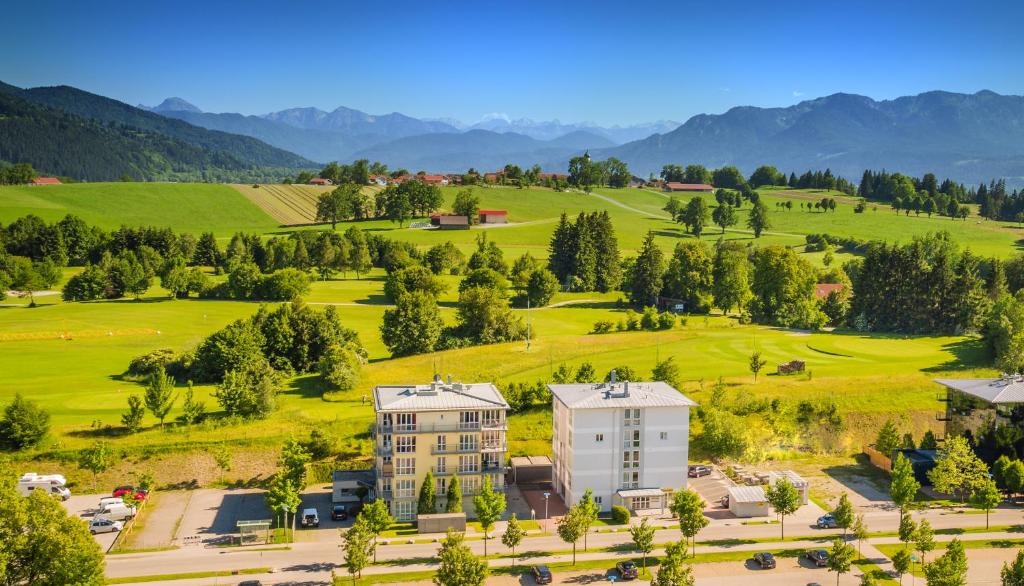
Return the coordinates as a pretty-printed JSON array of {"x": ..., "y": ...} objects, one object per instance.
[
  {"x": 765, "y": 560},
  {"x": 818, "y": 556},
  {"x": 627, "y": 570},
  {"x": 698, "y": 470},
  {"x": 250, "y": 583},
  {"x": 541, "y": 574},
  {"x": 339, "y": 513}
]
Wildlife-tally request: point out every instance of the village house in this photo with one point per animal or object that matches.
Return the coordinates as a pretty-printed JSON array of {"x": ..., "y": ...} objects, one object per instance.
[
  {"x": 493, "y": 216},
  {"x": 45, "y": 181},
  {"x": 450, "y": 222},
  {"x": 434, "y": 179},
  {"x": 699, "y": 187},
  {"x": 320, "y": 181}
]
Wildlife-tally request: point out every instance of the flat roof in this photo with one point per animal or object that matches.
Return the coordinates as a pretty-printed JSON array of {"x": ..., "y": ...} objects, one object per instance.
[
  {"x": 794, "y": 478},
  {"x": 746, "y": 494},
  {"x": 619, "y": 395},
  {"x": 1006, "y": 389},
  {"x": 522, "y": 461},
  {"x": 364, "y": 476},
  {"x": 438, "y": 396}
]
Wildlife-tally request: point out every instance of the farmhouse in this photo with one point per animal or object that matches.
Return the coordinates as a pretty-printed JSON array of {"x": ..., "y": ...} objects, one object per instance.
[
  {"x": 434, "y": 179},
  {"x": 451, "y": 222},
  {"x": 676, "y": 186},
  {"x": 45, "y": 181},
  {"x": 320, "y": 181},
  {"x": 546, "y": 176},
  {"x": 822, "y": 290},
  {"x": 455, "y": 431},
  {"x": 493, "y": 216},
  {"x": 492, "y": 177},
  {"x": 380, "y": 180},
  {"x": 627, "y": 441}
]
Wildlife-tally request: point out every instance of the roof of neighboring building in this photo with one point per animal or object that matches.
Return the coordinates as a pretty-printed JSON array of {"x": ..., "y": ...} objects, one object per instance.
[
  {"x": 432, "y": 177},
  {"x": 46, "y": 181},
  {"x": 688, "y": 186},
  {"x": 821, "y": 290},
  {"x": 438, "y": 396},
  {"x": 793, "y": 478},
  {"x": 620, "y": 394},
  {"x": 746, "y": 494},
  {"x": 522, "y": 461},
  {"x": 319, "y": 181},
  {"x": 1007, "y": 389},
  {"x": 363, "y": 476},
  {"x": 454, "y": 220},
  {"x": 635, "y": 492},
  {"x": 493, "y": 212}
]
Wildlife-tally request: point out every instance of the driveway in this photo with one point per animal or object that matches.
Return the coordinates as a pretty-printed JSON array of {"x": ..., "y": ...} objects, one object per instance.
[
  {"x": 211, "y": 515},
  {"x": 712, "y": 488},
  {"x": 84, "y": 506},
  {"x": 320, "y": 499}
]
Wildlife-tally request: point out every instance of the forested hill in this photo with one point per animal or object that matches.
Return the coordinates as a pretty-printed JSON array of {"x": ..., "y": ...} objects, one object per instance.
[
  {"x": 58, "y": 143},
  {"x": 243, "y": 149},
  {"x": 973, "y": 137}
]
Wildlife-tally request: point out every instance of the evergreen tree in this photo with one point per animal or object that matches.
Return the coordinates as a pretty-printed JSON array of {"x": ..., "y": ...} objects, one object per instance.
[
  {"x": 608, "y": 266},
  {"x": 160, "y": 395},
  {"x": 561, "y": 250},
  {"x": 132, "y": 419},
  {"x": 426, "y": 504},
  {"x": 453, "y": 498},
  {"x": 648, "y": 273}
]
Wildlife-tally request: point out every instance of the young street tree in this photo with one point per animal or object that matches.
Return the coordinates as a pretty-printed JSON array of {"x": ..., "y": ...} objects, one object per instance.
[
  {"x": 860, "y": 531},
  {"x": 902, "y": 560},
  {"x": 904, "y": 486},
  {"x": 924, "y": 538},
  {"x": 987, "y": 497},
  {"x": 840, "y": 558},
  {"x": 949, "y": 569},
  {"x": 513, "y": 536},
  {"x": 378, "y": 519},
  {"x": 571, "y": 527},
  {"x": 490, "y": 506},
  {"x": 95, "y": 458},
  {"x": 426, "y": 504},
  {"x": 643, "y": 539},
  {"x": 160, "y": 395},
  {"x": 784, "y": 499},
  {"x": 844, "y": 513},
  {"x": 358, "y": 545},
  {"x": 689, "y": 508},
  {"x": 588, "y": 513},
  {"x": 458, "y": 565},
  {"x": 672, "y": 569}
]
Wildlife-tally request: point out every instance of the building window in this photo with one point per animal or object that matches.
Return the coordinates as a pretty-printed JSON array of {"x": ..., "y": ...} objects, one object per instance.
[
  {"x": 492, "y": 418},
  {"x": 467, "y": 443},
  {"x": 597, "y": 499},
  {"x": 632, "y": 440},
  {"x": 442, "y": 443},
  {"x": 664, "y": 435},
  {"x": 470, "y": 484},
  {"x": 405, "y": 466},
  {"x": 442, "y": 486},
  {"x": 599, "y": 437},
  {"x": 641, "y": 502},
  {"x": 405, "y": 488},
  {"x": 405, "y": 510},
  {"x": 630, "y": 480},
  {"x": 405, "y": 422},
  {"x": 469, "y": 464},
  {"x": 405, "y": 444},
  {"x": 469, "y": 420},
  {"x": 442, "y": 466}
]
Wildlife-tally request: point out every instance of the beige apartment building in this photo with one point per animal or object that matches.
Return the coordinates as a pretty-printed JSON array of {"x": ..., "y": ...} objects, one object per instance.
[{"x": 454, "y": 430}]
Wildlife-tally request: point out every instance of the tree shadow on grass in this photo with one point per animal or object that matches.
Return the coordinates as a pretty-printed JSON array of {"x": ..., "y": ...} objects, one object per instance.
[
  {"x": 967, "y": 354},
  {"x": 308, "y": 387}
]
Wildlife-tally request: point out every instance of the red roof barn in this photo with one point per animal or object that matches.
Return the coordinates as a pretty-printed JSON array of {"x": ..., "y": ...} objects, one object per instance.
[
  {"x": 493, "y": 216},
  {"x": 676, "y": 186},
  {"x": 434, "y": 179},
  {"x": 822, "y": 290},
  {"x": 46, "y": 181}
]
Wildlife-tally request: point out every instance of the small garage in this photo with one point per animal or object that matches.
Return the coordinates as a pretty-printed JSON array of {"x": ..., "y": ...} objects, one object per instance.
[
  {"x": 531, "y": 470},
  {"x": 748, "y": 501},
  {"x": 795, "y": 479}
]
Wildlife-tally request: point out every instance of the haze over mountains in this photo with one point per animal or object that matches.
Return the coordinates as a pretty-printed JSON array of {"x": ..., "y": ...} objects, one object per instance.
[{"x": 968, "y": 137}]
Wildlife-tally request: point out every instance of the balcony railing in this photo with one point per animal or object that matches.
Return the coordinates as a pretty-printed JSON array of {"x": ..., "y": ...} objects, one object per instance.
[
  {"x": 494, "y": 424},
  {"x": 387, "y": 470},
  {"x": 454, "y": 449},
  {"x": 492, "y": 467},
  {"x": 468, "y": 469},
  {"x": 385, "y": 450},
  {"x": 405, "y": 471},
  {"x": 494, "y": 447},
  {"x": 386, "y": 495}
]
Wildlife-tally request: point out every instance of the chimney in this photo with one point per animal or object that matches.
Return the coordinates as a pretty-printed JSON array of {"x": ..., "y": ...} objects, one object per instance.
[
  {"x": 449, "y": 379},
  {"x": 614, "y": 375},
  {"x": 437, "y": 378},
  {"x": 625, "y": 389}
]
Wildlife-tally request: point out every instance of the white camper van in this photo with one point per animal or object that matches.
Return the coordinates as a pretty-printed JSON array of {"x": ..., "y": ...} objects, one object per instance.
[
  {"x": 53, "y": 484},
  {"x": 116, "y": 512}
]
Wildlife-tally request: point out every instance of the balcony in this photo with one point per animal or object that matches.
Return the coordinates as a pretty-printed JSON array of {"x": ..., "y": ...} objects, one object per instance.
[
  {"x": 494, "y": 447},
  {"x": 495, "y": 424},
  {"x": 434, "y": 427},
  {"x": 439, "y": 471},
  {"x": 446, "y": 449},
  {"x": 492, "y": 467},
  {"x": 385, "y": 494},
  {"x": 467, "y": 470},
  {"x": 387, "y": 470},
  {"x": 385, "y": 450},
  {"x": 405, "y": 471}
]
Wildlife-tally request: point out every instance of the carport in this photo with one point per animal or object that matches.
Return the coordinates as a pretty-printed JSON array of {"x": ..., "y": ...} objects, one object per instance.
[
  {"x": 748, "y": 501},
  {"x": 531, "y": 470}
]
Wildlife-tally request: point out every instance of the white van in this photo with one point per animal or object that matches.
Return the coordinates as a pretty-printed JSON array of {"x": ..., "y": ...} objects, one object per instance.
[
  {"x": 116, "y": 512},
  {"x": 52, "y": 484},
  {"x": 110, "y": 500}
]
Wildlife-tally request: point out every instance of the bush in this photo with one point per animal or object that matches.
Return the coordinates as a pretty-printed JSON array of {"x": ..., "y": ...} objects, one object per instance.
[
  {"x": 24, "y": 424},
  {"x": 649, "y": 319},
  {"x": 602, "y": 327},
  {"x": 666, "y": 321},
  {"x": 320, "y": 444},
  {"x": 162, "y": 360},
  {"x": 620, "y": 515}
]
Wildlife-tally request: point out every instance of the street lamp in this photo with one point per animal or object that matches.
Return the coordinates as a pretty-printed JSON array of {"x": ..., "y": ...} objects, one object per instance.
[{"x": 546, "y": 495}]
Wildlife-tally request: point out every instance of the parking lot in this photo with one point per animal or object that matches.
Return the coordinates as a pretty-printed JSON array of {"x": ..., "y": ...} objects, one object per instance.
[
  {"x": 712, "y": 488},
  {"x": 85, "y": 506}
]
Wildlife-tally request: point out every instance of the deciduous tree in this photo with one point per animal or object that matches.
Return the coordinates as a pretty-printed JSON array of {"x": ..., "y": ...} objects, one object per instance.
[
  {"x": 489, "y": 506},
  {"x": 458, "y": 566},
  {"x": 784, "y": 499},
  {"x": 688, "y": 507},
  {"x": 513, "y": 535}
]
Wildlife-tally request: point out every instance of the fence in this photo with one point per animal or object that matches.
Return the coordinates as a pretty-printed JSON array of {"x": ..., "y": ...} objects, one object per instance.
[{"x": 878, "y": 459}]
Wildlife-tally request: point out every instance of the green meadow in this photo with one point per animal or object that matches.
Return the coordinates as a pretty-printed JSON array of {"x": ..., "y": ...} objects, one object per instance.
[{"x": 70, "y": 356}]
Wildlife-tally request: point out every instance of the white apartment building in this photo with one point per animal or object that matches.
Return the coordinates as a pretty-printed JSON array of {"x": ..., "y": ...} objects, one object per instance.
[{"x": 626, "y": 441}]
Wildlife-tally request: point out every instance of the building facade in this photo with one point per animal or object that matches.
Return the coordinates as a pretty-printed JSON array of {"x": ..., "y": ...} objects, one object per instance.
[
  {"x": 628, "y": 442},
  {"x": 455, "y": 431},
  {"x": 977, "y": 408}
]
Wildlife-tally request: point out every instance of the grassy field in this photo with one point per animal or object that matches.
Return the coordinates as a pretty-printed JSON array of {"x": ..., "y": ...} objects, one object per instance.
[
  {"x": 70, "y": 357},
  {"x": 187, "y": 207},
  {"x": 290, "y": 205}
]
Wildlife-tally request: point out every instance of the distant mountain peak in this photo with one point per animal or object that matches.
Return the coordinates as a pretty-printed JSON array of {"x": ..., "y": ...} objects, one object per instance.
[{"x": 173, "y": 105}]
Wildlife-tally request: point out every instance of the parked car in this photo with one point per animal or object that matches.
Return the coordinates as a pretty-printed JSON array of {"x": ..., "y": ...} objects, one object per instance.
[
  {"x": 698, "y": 470},
  {"x": 765, "y": 559},
  {"x": 339, "y": 512},
  {"x": 818, "y": 556},
  {"x": 827, "y": 521},
  {"x": 101, "y": 525},
  {"x": 310, "y": 518},
  {"x": 627, "y": 570},
  {"x": 541, "y": 574},
  {"x": 250, "y": 583}
]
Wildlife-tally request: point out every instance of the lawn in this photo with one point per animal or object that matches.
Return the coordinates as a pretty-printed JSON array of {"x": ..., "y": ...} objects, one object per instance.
[{"x": 186, "y": 207}]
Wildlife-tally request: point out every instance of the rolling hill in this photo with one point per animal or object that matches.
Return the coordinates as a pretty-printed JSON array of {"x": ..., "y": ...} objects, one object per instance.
[{"x": 970, "y": 137}]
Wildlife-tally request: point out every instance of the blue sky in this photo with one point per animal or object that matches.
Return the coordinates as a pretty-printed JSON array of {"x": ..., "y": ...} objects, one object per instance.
[{"x": 609, "y": 62}]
